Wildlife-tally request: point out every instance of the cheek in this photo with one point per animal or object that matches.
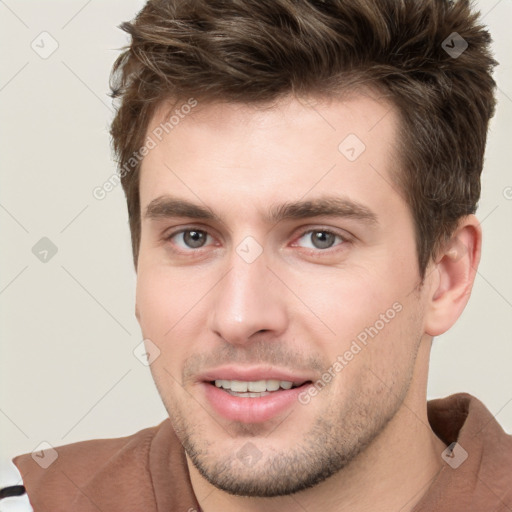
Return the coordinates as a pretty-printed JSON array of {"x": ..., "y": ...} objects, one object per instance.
[
  {"x": 349, "y": 302},
  {"x": 152, "y": 300},
  {"x": 373, "y": 319},
  {"x": 159, "y": 318},
  {"x": 172, "y": 306},
  {"x": 378, "y": 359},
  {"x": 161, "y": 303}
]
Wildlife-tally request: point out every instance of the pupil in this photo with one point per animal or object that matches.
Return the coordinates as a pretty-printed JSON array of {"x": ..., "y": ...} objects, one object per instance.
[
  {"x": 322, "y": 240},
  {"x": 194, "y": 238}
]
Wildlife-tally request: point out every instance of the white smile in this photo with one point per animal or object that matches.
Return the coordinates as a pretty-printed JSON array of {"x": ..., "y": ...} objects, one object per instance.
[{"x": 253, "y": 388}]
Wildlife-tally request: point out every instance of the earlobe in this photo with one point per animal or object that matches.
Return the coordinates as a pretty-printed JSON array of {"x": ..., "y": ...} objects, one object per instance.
[{"x": 456, "y": 268}]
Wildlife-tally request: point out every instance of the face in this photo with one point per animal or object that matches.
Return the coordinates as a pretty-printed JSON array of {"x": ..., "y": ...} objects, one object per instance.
[{"x": 278, "y": 279}]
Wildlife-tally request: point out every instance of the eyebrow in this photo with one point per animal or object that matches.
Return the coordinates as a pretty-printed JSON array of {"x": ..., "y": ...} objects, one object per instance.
[{"x": 327, "y": 206}]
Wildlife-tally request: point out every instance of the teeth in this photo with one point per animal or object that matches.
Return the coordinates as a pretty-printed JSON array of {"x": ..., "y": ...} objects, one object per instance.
[
  {"x": 256, "y": 386},
  {"x": 239, "y": 386},
  {"x": 273, "y": 385}
]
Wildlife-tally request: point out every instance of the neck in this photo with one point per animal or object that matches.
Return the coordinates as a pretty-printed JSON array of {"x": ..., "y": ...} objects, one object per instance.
[{"x": 393, "y": 473}]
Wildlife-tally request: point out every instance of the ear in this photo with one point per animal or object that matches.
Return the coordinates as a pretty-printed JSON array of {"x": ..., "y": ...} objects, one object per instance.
[{"x": 452, "y": 276}]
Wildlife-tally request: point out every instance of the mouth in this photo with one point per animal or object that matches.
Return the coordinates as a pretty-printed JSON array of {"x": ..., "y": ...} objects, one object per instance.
[{"x": 252, "y": 398}]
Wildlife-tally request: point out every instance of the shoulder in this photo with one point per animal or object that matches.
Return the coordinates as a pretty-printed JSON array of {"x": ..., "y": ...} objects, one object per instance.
[
  {"x": 54, "y": 477},
  {"x": 477, "y": 445}
]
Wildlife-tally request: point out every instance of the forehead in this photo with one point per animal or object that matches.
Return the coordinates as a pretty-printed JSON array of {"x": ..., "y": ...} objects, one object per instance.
[
  {"x": 362, "y": 110},
  {"x": 284, "y": 150}
]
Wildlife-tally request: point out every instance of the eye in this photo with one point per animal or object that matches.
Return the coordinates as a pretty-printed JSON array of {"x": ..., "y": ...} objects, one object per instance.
[
  {"x": 319, "y": 239},
  {"x": 191, "y": 238},
  {"x": 187, "y": 239}
]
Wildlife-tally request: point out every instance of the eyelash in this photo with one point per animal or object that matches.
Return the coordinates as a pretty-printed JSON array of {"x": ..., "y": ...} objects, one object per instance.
[{"x": 344, "y": 239}]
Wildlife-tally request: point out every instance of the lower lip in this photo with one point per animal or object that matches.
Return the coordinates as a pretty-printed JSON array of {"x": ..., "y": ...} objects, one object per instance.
[{"x": 251, "y": 410}]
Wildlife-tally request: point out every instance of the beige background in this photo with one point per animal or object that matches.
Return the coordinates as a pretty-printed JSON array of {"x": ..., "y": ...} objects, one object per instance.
[{"x": 67, "y": 369}]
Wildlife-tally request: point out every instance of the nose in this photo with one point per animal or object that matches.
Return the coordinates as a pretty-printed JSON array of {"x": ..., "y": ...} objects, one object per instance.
[{"x": 248, "y": 300}]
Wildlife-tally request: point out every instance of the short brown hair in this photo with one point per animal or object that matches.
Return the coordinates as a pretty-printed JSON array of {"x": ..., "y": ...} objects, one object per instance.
[{"x": 256, "y": 51}]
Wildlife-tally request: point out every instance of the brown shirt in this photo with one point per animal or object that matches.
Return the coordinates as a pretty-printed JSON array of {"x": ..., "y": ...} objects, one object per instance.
[{"x": 147, "y": 471}]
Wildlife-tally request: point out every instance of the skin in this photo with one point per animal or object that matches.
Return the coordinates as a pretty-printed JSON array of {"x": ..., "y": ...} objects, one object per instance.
[{"x": 364, "y": 438}]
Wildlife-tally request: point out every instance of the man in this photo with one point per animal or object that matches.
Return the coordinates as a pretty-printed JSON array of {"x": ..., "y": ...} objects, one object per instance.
[{"x": 301, "y": 179}]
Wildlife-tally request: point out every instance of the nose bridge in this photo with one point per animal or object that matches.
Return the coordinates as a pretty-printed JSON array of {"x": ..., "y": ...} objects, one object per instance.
[{"x": 246, "y": 299}]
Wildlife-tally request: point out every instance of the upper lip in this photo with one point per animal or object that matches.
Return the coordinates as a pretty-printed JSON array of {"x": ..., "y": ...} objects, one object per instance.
[{"x": 254, "y": 373}]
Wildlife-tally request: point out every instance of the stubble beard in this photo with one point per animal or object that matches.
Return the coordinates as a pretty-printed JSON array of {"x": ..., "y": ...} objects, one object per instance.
[{"x": 330, "y": 445}]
